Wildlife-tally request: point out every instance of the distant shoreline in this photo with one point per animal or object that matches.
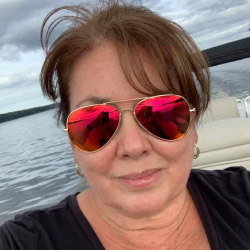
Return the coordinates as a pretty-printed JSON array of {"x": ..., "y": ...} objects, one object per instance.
[{"x": 22, "y": 113}]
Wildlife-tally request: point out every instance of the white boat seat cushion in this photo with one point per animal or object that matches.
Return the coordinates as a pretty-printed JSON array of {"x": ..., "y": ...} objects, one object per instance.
[
  {"x": 224, "y": 143},
  {"x": 222, "y": 108}
]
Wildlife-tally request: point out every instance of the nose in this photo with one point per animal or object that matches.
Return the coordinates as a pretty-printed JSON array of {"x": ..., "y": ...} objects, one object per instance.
[{"x": 132, "y": 141}]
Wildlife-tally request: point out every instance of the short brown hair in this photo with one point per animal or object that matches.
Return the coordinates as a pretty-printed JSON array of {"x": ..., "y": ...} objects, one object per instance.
[{"x": 129, "y": 28}]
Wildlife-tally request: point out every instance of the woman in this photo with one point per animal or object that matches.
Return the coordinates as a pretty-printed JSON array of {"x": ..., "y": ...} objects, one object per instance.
[{"x": 131, "y": 87}]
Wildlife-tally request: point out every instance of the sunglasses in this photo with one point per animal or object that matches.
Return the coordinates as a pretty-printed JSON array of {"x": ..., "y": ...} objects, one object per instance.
[{"x": 166, "y": 117}]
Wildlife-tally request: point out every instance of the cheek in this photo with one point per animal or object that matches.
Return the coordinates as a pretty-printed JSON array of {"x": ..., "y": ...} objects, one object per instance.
[
  {"x": 178, "y": 157},
  {"x": 179, "y": 152},
  {"x": 98, "y": 162}
]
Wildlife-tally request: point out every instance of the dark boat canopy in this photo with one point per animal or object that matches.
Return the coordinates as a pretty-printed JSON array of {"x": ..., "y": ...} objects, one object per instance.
[{"x": 228, "y": 52}]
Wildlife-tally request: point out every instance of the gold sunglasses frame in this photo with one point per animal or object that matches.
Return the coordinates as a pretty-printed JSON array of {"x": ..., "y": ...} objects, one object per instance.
[{"x": 191, "y": 110}]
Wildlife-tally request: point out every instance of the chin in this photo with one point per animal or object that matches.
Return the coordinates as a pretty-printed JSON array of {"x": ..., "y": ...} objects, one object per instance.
[
  {"x": 152, "y": 200},
  {"x": 146, "y": 202},
  {"x": 144, "y": 206}
]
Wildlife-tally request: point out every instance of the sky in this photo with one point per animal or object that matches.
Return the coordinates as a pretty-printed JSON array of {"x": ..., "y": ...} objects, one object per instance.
[{"x": 210, "y": 23}]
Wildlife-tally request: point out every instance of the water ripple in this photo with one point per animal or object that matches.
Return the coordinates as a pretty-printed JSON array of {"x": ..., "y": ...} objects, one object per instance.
[{"x": 37, "y": 169}]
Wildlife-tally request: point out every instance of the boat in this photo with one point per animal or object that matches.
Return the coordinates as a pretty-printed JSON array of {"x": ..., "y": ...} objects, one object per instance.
[{"x": 224, "y": 130}]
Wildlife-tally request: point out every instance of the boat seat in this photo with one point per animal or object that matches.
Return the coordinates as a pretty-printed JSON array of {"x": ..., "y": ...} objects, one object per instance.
[
  {"x": 220, "y": 109},
  {"x": 224, "y": 137}
]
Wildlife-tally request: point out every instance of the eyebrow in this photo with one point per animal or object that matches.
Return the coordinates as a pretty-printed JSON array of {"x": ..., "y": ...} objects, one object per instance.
[{"x": 93, "y": 100}]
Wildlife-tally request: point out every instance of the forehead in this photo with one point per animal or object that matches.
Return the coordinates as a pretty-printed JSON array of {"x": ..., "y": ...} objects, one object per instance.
[{"x": 98, "y": 74}]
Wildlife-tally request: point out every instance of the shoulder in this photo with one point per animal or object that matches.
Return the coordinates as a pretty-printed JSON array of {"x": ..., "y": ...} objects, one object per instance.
[
  {"x": 62, "y": 226},
  {"x": 31, "y": 230},
  {"x": 222, "y": 198},
  {"x": 232, "y": 178},
  {"x": 226, "y": 191},
  {"x": 220, "y": 172},
  {"x": 232, "y": 182},
  {"x": 227, "y": 175}
]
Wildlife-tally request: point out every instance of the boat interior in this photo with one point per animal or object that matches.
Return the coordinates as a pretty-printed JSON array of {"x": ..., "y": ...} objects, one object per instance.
[
  {"x": 224, "y": 130},
  {"x": 224, "y": 134}
]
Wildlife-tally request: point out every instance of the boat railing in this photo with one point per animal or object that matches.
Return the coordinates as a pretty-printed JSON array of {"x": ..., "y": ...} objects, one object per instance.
[
  {"x": 247, "y": 105},
  {"x": 244, "y": 106},
  {"x": 241, "y": 107}
]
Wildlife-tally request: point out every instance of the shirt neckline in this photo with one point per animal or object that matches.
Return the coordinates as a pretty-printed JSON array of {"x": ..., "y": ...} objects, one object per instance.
[
  {"x": 85, "y": 225},
  {"x": 205, "y": 216}
]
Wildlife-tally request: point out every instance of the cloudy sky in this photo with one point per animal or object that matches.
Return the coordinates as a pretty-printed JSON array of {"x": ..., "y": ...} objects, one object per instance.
[{"x": 210, "y": 23}]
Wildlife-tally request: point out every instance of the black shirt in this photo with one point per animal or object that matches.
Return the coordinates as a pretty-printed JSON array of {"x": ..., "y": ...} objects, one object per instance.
[{"x": 222, "y": 198}]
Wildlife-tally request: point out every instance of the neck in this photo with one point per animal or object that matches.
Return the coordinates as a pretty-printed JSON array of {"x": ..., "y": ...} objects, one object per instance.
[
  {"x": 137, "y": 232},
  {"x": 164, "y": 218}
]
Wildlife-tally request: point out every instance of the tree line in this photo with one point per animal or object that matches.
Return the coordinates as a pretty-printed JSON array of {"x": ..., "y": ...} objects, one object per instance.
[{"x": 18, "y": 114}]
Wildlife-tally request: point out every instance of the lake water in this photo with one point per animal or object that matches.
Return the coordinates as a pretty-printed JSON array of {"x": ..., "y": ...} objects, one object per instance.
[{"x": 36, "y": 165}]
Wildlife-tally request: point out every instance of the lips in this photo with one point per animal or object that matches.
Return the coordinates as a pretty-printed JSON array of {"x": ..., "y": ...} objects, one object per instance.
[
  {"x": 139, "y": 175},
  {"x": 143, "y": 179}
]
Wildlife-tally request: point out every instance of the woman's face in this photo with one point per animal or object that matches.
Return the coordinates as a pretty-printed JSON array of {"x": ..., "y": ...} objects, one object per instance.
[{"x": 135, "y": 172}]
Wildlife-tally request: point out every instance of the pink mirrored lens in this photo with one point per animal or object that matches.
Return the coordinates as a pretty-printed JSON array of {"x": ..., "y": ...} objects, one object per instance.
[
  {"x": 91, "y": 128},
  {"x": 167, "y": 117}
]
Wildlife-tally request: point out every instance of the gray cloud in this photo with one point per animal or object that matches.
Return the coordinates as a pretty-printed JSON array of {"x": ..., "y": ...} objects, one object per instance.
[
  {"x": 10, "y": 53},
  {"x": 24, "y": 79},
  {"x": 210, "y": 22},
  {"x": 213, "y": 27},
  {"x": 20, "y": 25},
  {"x": 15, "y": 82},
  {"x": 212, "y": 5}
]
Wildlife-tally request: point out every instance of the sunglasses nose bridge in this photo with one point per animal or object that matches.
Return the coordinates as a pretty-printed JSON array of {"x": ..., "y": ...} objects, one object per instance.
[
  {"x": 127, "y": 110},
  {"x": 124, "y": 110}
]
